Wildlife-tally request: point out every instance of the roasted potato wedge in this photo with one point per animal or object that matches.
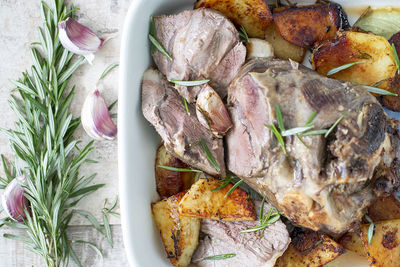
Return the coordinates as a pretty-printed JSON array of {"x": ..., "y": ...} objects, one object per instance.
[
  {"x": 309, "y": 249},
  {"x": 179, "y": 234},
  {"x": 201, "y": 202},
  {"x": 169, "y": 183},
  {"x": 253, "y": 15},
  {"x": 384, "y": 250},
  {"x": 385, "y": 208},
  {"x": 353, "y": 242},
  {"x": 306, "y": 25},
  {"x": 349, "y": 46},
  {"x": 393, "y": 102},
  {"x": 282, "y": 48}
]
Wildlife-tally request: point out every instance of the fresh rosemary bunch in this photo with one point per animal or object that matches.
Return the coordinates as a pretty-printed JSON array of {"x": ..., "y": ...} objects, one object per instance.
[{"x": 47, "y": 155}]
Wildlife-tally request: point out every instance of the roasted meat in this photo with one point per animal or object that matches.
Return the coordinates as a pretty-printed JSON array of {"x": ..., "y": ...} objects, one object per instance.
[
  {"x": 203, "y": 44},
  {"x": 251, "y": 249},
  {"x": 325, "y": 183},
  {"x": 181, "y": 132}
]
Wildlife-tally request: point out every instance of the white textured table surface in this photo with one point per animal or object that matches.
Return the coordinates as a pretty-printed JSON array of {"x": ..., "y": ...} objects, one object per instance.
[{"x": 18, "y": 22}]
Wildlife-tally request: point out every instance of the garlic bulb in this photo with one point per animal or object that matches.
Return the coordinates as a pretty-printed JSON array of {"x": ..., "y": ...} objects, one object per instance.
[
  {"x": 79, "y": 39},
  {"x": 211, "y": 111},
  {"x": 13, "y": 201},
  {"x": 96, "y": 119}
]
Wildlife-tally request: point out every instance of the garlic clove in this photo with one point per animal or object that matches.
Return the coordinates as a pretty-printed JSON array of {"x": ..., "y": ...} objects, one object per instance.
[
  {"x": 79, "y": 39},
  {"x": 13, "y": 201},
  {"x": 259, "y": 48},
  {"x": 211, "y": 111},
  {"x": 96, "y": 119}
]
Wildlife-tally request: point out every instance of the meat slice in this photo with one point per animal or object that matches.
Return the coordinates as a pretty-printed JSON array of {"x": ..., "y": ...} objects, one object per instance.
[
  {"x": 203, "y": 44},
  {"x": 165, "y": 110},
  {"x": 327, "y": 183},
  {"x": 251, "y": 249}
]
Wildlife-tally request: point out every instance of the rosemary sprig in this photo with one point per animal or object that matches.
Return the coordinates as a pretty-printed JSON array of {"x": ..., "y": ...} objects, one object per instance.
[
  {"x": 370, "y": 229},
  {"x": 265, "y": 220},
  {"x": 379, "y": 91},
  {"x": 43, "y": 142},
  {"x": 169, "y": 168},
  {"x": 334, "y": 125},
  {"x": 395, "y": 56},
  {"x": 236, "y": 185},
  {"x": 209, "y": 156},
  {"x": 243, "y": 34},
  {"x": 189, "y": 83},
  {"x": 108, "y": 69},
  {"x": 220, "y": 257},
  {"x": 342, "y": 67}
]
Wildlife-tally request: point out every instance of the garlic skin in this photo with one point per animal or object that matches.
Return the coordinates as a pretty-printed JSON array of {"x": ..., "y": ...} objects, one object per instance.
[
  {"x": 211, "y": 111},
  {"x": 79, "y": 39},
  {"x": 96, "y": 119},
  {"x": 13, "y": 201}
]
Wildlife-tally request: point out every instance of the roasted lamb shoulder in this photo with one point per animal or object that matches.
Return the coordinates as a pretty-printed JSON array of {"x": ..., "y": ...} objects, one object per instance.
[{"x": 325, "y": 183}]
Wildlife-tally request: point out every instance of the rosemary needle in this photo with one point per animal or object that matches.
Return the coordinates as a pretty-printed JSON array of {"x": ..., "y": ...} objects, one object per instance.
[
  {"x": 243, "y": 34},
  {"x": 234, "y": 187},
  {"x": 370, "y": 229},
  {"x": 378, "y": 91},
  {"x": 209, "y": 155},
  {"x": 189, "y": 83},
  {"x": 220, "y": 257},
  {"x": 342, "y": 67},
  {"x": 334, "y": 125},
  {"x": 395, "y": 56},
  {"x": 174, "y": 169}
]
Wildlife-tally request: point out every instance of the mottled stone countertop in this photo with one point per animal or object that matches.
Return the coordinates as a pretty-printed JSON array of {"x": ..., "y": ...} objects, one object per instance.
[{"x": 18, "y": 28}]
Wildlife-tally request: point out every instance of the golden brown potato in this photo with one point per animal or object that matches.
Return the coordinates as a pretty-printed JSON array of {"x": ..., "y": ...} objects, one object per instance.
[
  {"x": 282, "y": 48},
  {"x": 353, "y": 242},
  {"x": 393, "y": 102},
  {"x": 385, "y": 208},
  {"x": 306, "y": 25},
  {"x": 349, "y": 46},
  {"x": 309, "y": 249},
  {"x": 384, "y": 250},
  {"x": 253, "y": 15},
  {"x": 179, "y": 234},
  {"x": 169, "y": 183},
  {"x": 201, "y": 202}
]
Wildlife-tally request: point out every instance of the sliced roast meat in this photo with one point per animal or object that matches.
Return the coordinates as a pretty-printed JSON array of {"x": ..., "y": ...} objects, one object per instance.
[
  {"x": 326, "y": 183},
  {"x": 251, "y": 249},
  {"x": 165, "y": 110},
  {"x": 203, "y": 44}
]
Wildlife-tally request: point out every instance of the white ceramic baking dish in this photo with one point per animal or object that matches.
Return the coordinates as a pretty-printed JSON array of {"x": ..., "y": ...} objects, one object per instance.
[{"x": 138, "y": 140}]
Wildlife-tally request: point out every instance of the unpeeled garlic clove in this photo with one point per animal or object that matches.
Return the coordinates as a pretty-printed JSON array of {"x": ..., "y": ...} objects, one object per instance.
[
  {"x": 79, "y": 39},
  {"x": 13, "y": 200},
  {"x": 96, "y": 119},
  {"x": 211, "y": 111}
]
